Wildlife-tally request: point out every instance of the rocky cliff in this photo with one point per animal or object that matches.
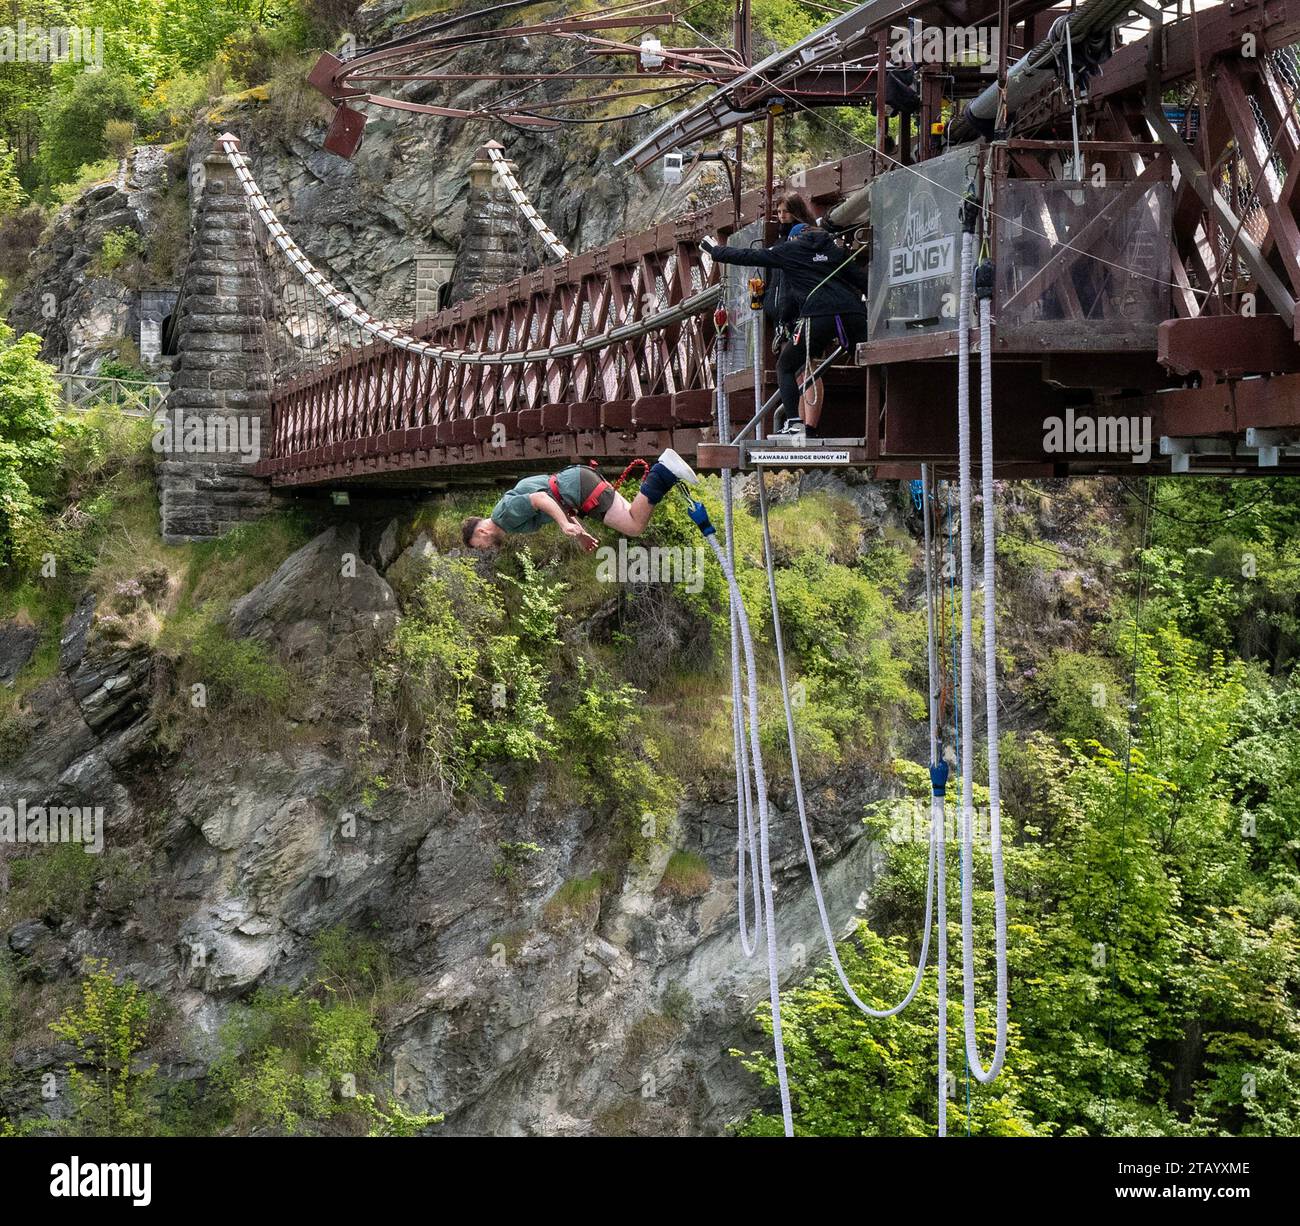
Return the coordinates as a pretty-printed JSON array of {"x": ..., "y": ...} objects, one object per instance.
[{"x": 521, "y": 1017}]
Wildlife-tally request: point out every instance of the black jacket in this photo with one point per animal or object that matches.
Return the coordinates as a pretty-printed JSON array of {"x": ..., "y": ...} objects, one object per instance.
[
  {"x": 778, "y": 303},
  {"x": 805, "y": 264}
]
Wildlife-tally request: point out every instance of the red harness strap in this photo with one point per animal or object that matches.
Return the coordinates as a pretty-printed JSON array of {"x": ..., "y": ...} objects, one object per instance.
[{"x": 590, "y": 503}]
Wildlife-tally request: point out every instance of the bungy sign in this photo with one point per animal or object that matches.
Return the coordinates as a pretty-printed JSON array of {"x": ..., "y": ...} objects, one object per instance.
[
  {"x": 915, "y": 223},
  {"x": 925, "y": 251}
]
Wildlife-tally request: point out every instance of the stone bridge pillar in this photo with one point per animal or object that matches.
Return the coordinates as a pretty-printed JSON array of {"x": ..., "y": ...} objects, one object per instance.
[
  {"x": 491, "y": 251},
  {"x": 215, "y": 422}
]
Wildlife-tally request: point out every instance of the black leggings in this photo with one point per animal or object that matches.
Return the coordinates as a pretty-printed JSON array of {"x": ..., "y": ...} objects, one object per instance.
[{"x": 822, "y": 334}]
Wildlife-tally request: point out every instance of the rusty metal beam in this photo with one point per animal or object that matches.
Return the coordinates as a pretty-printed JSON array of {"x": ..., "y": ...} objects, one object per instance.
[
  {"x": 1194, "y": 174},
  {"x": 1228, "y": 345}
]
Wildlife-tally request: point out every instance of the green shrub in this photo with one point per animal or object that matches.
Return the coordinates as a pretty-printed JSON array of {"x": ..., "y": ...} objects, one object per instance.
[
  {"x": 31, "y": 433},
  {"x": 1085, "y": 697},
  {"x": 307, "y": 1062},
  {"x": 109, "y": 1030},
  {"x": 605, "y": 751},
  {"x": 86, "y": 177},
  {"x": 54, "y": 880},
  {"x": 457, "y": 690},
  {"x": 117, "y": 247},
  {"x": 513, "y": 857},
  {"x": 119, "y": 137},
  {"x": 73, "y": 133},
  {"x": 687, "y": 876},
  {"x": 241, "y": 678},
  {"x": 11, "y": 191},
  {"x": 577, "y": 901},
  {"x": 842, "y": 632}
]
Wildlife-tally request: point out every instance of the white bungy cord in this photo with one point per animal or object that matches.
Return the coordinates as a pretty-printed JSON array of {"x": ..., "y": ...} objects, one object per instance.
[
  {"x": 982, "y": 1075},
  {"x": 744, "y": 797}
]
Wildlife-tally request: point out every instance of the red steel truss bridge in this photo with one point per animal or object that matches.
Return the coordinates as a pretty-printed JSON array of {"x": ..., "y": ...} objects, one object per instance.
[{"x": 1138, "y": 177}]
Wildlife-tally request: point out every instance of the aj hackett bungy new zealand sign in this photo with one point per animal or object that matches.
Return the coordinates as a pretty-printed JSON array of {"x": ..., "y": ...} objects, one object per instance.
[
  {"x": 923, "y": 250},
  {"x": 915, "y": 226}
]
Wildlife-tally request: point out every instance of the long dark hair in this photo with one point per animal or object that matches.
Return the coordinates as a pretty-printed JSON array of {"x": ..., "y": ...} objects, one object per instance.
[{"x": 797, "y": 206}]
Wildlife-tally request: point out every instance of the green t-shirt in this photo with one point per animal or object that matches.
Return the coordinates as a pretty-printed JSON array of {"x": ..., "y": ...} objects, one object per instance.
[{"x": 515, "y": 513}]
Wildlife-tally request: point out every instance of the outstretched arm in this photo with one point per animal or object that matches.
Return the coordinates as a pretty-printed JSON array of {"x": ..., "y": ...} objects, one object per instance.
[
  {"x": 754, "y": 257},
  {"x": 570, "y": 527}
]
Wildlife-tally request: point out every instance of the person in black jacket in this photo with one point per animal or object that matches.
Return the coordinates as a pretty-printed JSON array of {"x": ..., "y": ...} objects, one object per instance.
[
  {"x": 825, "y": 288},
  {"x": 793, "y": 213}
]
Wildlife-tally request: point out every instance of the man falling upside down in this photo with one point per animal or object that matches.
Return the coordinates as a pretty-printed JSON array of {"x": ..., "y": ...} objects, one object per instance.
[{"x": 571, "y": 495}]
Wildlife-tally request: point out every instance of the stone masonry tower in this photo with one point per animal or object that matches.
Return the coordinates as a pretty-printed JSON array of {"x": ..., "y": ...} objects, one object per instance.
[
  {"x": 216, "y": 421},
  {"x": 491, "y": 251}
]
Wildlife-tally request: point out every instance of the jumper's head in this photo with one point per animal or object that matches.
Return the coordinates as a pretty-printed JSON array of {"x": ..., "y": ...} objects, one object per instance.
[{"x": 478, "y": 533}]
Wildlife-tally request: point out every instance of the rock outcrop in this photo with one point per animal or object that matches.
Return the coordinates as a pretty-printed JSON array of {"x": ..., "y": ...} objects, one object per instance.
[{"x": 83, "y": 312}]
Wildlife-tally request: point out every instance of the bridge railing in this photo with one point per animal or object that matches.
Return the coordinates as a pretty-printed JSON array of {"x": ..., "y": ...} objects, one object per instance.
[
  {"x": 619, "y": 338},
  {"x": 133, "y": 397}
]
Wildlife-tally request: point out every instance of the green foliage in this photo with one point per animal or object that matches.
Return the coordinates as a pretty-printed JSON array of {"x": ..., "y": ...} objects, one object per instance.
[
  {"x": 73, "y": 132},
  {"x": 109, "y": 1082},
  {"x": 1152, "y": 912},
  {"x": 513, "y": 857},
  {"x": 11, "y": 190},
  {"x": 119, "y": 246},
  {"x": 842, "y": 630},
  {"x": 308, "y": 1061},
  {"x": 856, "y": 1076},
  {"x": 87, "y": 176},
  {"x": 119, "y": 137},
  {"x": 241, "y": 675},
  {"x": 459, "y": 690},
  {"x": 1085, "y": 697},
  {"x": 55, "y": 880},
  {"x": 614, "y": 765},
  {"x": 1223, "y": 565},
  {"x": 31, "y": 432}
]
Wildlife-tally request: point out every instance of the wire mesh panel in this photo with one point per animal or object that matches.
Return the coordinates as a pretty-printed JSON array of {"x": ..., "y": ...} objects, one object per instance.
[
  {"x": 738, "y": 354},
  {"x": 1080, "y": 265},
  {"x": 916, "y": 246}
]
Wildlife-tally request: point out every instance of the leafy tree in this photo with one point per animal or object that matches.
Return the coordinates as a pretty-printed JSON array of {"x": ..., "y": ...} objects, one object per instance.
[
  {"x": 73, "y": 135},
  {"x": 11, "y": 191},
  {"x": 109, "y": 1029},
  {"x": 31, "y": 432}
]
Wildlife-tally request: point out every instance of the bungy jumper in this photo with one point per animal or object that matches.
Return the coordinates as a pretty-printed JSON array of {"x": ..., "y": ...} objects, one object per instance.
[{"x": 751, "y": 780}]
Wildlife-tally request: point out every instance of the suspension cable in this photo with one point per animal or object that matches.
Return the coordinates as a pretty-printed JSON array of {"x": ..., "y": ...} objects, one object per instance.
[{"x": 393, "y": 335}]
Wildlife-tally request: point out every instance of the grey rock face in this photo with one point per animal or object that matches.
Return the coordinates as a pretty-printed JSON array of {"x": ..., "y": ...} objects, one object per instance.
[
  {"x": 17, "y": 643},
  {"x": 80, "y": 313},
  {"x": 322, "y": 592},
  {"x": 328, "y": 611},
  {"x": 40, "y": 953}
]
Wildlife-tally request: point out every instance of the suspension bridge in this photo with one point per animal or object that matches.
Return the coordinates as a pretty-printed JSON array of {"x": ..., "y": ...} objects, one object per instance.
[
  {"x": 1153, "y": 288},
  {"x": 1115, "y": 273}
]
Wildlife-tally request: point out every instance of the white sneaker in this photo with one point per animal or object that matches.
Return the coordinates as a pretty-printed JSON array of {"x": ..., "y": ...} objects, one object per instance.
[{"x": 678, "y": 467}]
